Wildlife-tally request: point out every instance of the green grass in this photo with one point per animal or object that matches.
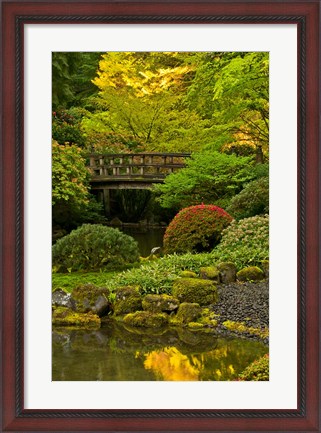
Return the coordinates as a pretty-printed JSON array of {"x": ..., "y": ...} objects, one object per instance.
[{"x": 71, "y": 280}]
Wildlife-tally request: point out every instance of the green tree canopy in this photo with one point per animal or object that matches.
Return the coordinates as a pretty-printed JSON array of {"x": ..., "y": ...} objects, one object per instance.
[
  {"x": 214, "y": 105},
  {"x": 232, "y": 91},
  {"x": 209, "y": 177},
  {"x": 72, "y": 202},
  {"x": 167, "y": 101},
  {"x": 72, "y": 73},
  {"x": 142, "y": 97},
  {"x": 70, "y": 177}
]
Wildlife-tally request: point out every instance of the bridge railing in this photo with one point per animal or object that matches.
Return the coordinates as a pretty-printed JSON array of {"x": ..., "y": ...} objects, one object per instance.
[{"x": 135, "y": 165}]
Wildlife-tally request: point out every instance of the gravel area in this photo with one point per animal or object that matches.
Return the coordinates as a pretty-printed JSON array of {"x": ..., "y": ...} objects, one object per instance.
[{"x": 244, "y": 302}]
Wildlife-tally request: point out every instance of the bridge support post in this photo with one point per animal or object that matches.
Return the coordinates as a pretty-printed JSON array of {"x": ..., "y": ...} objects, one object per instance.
[{"x": 106, "y": 201}]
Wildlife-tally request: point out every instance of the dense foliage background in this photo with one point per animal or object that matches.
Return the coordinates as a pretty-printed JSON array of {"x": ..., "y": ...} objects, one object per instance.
[{"x": 212, "y": 105}]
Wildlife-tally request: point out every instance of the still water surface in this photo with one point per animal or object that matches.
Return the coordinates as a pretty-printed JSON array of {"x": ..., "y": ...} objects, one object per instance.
[
  {"x": 147, "y": 238},
  {"x": 115, "y": 352}
]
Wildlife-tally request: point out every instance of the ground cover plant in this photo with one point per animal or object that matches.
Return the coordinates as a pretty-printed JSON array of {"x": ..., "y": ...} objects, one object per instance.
[
  {"x": 69, "y": 281},
  {"x": 244, "y": 243},
  {"x": 257, "y": 370},
  {"x": 157, "y": 276}
]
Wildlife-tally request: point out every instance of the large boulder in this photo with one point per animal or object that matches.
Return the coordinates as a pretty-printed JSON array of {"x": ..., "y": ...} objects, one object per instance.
[
  {"x": 195, "y": 290},
  {"x": 90, "y": 298},
  {"x": 127, "y": 300},
  {"x": 160, "y": 303}
]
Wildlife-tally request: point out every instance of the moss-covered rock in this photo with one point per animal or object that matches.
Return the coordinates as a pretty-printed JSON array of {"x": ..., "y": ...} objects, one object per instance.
[
  {"x": 227, "y": 272},
  {"x": 265, "y": 264},
  {"x": 90, "y": 298},
  {"x": 251, "y": 273},
  {"x": 188, "y": 274},
  {"x": 241, "y": 328},
  {"x": 210, "y": 273},
  {"x": 208, "y": 318},
  {"x": 195, "y": 325},
  {"x": 159, "y": 303},
  {"x": 194, "y": 316},
  {"x": 197, "y": 290},
  {"x": 63, "y": 316},
  {"x": 187, "y": 312},
  {"x": 60, "y": 298},
  {"x": 127, "y": 300},
  {"x": 146, "y": 319}
]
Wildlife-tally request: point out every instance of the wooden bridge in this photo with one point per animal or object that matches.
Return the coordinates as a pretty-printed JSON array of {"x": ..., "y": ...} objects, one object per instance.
[{"x": 132, "y": 170}]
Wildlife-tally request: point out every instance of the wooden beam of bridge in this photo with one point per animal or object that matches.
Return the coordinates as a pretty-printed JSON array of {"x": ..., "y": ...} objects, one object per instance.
[{"x": 133, "y": 170}]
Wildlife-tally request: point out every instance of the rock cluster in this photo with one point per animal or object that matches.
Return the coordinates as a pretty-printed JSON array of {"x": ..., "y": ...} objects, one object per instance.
[
  {"x": 82, "y": 308},
  {"x": 218, "y": 301}
]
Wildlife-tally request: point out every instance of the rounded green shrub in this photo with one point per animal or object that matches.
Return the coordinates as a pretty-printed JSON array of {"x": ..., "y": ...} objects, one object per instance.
[
  {"x": 93, "y": 247},
  {"x": 195, "y": 229},
  {"x": 252, "y": 200},
  {"x": 244, "y": 242}
]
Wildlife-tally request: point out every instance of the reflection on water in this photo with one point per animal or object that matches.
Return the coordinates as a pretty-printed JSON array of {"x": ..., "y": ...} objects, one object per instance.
[
  {"x": 115, "y": 352},
  {"x": 147, "y": 238},
  {"x": 171, "y": 364}
]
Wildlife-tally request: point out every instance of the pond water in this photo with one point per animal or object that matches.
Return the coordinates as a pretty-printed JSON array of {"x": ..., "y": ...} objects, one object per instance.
[
  {"x": 147, "y": 238},
  {"x": 115, "y": 352}
]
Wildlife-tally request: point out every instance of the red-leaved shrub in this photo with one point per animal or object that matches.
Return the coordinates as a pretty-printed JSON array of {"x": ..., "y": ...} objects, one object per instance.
[{"x": 196, "y": 229}]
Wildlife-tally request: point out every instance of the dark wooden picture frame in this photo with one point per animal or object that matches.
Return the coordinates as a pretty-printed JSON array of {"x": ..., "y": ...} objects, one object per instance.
[{"x": 305, "y": 14}]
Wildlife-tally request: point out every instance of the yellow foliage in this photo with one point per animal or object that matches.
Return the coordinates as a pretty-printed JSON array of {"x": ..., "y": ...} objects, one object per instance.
[
  {"x": 170, "y": 364},
  {"x": 124, "y": 70},
  {"x": 231, "y": 369},
  {"x": 218, "y": 373}
]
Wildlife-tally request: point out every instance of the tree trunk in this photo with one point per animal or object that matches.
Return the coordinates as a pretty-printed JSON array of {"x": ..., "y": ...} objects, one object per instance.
[{"x": 259, "y": 158}]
